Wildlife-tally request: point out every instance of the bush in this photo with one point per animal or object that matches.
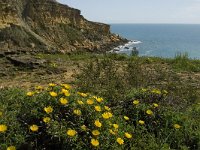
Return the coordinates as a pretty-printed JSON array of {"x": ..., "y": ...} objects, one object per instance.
[
  {"x": 165, "y": 127},
  {"x": 60, "y": 118}
]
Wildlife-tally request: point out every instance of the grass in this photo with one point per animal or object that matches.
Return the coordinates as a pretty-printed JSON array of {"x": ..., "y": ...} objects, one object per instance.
[{"x": 140, "y": 102}]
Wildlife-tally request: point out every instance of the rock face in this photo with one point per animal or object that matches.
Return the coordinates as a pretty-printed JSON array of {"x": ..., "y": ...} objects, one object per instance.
[{"x": 46, "y": 25}]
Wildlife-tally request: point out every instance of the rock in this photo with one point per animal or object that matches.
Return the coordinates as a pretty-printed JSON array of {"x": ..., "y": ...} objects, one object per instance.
[
  {"x": 46, "y": 25},
  {"x": 25, "y": 61}
]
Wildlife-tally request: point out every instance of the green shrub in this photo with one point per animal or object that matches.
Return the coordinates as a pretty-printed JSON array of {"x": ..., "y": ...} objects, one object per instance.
[{"x": 60, "y": 118}]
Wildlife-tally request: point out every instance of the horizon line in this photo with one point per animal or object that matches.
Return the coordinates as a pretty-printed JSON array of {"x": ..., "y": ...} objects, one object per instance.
[{"x": 156, "y": 23}]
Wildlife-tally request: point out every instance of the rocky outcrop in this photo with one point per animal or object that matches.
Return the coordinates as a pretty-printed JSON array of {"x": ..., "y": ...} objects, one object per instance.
[{"x": 48, "y": 26}]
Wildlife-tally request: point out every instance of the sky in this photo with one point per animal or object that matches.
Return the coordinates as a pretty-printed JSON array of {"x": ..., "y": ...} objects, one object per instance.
[{"x": 138, "y": 11}]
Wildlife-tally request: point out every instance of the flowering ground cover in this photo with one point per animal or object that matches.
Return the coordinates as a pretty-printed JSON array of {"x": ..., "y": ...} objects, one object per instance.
[{"x": 114, "y": 103}]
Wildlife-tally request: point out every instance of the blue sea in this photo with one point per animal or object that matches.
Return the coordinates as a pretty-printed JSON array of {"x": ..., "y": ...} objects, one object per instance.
[{"x": 162, "y": 40}]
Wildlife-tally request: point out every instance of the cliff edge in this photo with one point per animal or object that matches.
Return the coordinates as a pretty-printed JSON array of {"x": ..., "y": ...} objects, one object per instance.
[{"x": 46, "y": 25}]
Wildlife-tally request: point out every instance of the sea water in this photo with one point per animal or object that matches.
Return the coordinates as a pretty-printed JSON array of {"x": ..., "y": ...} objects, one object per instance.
[{"x": 162, "y": 40}]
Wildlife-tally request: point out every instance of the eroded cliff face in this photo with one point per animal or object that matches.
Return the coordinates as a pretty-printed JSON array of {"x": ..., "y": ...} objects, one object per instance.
[{"x": 35, "y": 25}]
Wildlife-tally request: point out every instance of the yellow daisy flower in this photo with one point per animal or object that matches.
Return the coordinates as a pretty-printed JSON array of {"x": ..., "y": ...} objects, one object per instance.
[
  {"x": 34, "y": 128},
  {"x": 67, "y": 86},
  {"x": 48, "y": 109},
  {"x": 126, "y": 118},
  {"x": 136, "y": 102},
  {"x": 107, "y": 108},
  {"x": 63, "y": 101},
  {"x": 71, "y": 132},
  {"x": 97, "y": 108},
  {"x": 82, "y": 94},
  {"x": 53, "y": 94},
  {"x": 80, "y": 102},
  {"x": 116, "y": 126},
  {"x": 94, "y": 142},
  {"x": 120, "y": 141},
  {"x": 30, "y": 93},
  {"x": 107, "y": 115},
  {"x": 90, "y": 101},
  {"x": 141, "y": 122},
  {"x": 128, "y": 135},
  {"x": 98, "y": 123},
  {"x": 39, "y": 87},
  {"x": 3, "y": 128},
  {"x": 95, "y": 132},
  {"x": 156, "y": 91},
  {"x": 99, "y": 99},
  {"x": 177, "y": 126},
  {"x": 155, "y": 105},
  {"x": 149, "y": 112},
  {"x": 52, "y": 84},
  {"x": 11, "y": 148},
  {"x": 46, "y": 119},
  {"x": 77, "y": 112},
  {"x": 112, "y": 132}
]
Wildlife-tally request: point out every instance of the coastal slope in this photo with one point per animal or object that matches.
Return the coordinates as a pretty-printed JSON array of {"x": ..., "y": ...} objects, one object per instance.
[{"x": 48, "y": 26}]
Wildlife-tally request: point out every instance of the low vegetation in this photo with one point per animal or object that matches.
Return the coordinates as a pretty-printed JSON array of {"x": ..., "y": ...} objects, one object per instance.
[{"x": 115, "y": 102}]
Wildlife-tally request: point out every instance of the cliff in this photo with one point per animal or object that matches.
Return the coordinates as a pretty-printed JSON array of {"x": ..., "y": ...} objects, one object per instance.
[{"x": 35, "y": 25}]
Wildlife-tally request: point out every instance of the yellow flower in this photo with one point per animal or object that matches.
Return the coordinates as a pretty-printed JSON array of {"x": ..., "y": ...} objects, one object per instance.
[
  {"x": 128, "y": 135},
  {"x": 90, "y": 101},
  {"x": 64, "y": 91},
  {"x": 48, "y": 109},
  {"x": 30, "y": 93},
  {"x": 82, "y": 94},
  {"x": 177, "y": 126},
  {"x": 136, "y": 102},
  {"x": 126, "y": 118},
  {"x": 11, "y": 148},
  {"x": 71, "y": 132},
  {"x": 67, "y": 86},
  {"x": 116, "y": 126},
  {"x": 46, "y": 119},
  {"x": 53, "y": 94},
  {"x": 52, "y": 84},
  {"x": 107, "y": 115},
  {"x": 155, "y": 105},
  {"x": 63, "y": 101},
  {"x": 107, "y": 108},
  {"x": 98, "y": 123},
  {"x": 3, "y": 128},
  {"x": 95, "y": 132},
  {"x": 67, "y": 94},
  {"x": 80, "y": 102},
  {"x": 112, "y": 132},
  {"x": 83, "y": 127},
  {"x": 1, "y": 113},
  {"x": 141, "y": 122},
  {"x": 77, "y": 112},
  {"x": 149, "y": 112},
  {"x": 94, "y": 142},
  {"x": 97, "y": 108},
  {"x": 156, "y": 91},
  {"x": 38, "y": 87},
  {"x": 34, "y": 128},
  {"x": 120, "y": 141},
  {"x": 99, "y": 99}
]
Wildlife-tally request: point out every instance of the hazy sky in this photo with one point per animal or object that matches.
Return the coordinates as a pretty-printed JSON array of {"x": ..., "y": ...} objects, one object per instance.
[{"x": 138, "y": 11}]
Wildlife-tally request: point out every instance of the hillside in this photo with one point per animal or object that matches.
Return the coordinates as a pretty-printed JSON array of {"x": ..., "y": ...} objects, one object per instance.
[{"x": 48, "y": 26}]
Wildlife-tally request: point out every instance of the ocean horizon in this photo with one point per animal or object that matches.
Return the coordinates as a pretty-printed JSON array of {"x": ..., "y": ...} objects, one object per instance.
[{"x": 162, "y": 40}]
